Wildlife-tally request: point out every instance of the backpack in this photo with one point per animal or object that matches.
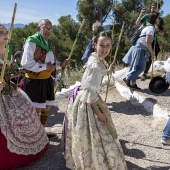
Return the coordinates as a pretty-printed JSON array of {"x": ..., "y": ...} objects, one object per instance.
[{"x": 136, "y": 35}]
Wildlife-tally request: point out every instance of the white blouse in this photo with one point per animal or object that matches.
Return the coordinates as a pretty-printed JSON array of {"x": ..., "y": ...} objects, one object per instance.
[
  {"x": 30, "y": 64},
  {"x": 92, "y": 78}
]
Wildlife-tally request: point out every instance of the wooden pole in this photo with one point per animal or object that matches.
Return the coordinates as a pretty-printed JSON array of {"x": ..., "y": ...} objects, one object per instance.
[
  {"x": 120, "y": 35},
  {"x": 153, "y": 61},
  {"x": 111, "y": 49},
  {"x": 155, "y": 39},
  {"x": 70, "y": 55},
  {"x": 7, "y": 49},
  {"x": 113, "y": 30},
  {"x": 114, "y": 58}
]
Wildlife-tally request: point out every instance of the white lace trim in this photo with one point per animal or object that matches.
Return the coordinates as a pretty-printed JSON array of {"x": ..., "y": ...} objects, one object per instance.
[
  {"x": 94, "y": 62},
  {"x": 20, "y": 124},
  {"x": 92, "y": 79}
]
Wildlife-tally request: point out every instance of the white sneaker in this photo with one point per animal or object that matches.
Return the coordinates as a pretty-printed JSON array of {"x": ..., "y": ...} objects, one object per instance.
[{"x": 165, "y": 141}]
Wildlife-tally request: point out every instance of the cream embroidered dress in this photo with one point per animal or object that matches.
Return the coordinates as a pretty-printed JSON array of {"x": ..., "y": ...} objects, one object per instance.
[{"x": 89, "y": 143}]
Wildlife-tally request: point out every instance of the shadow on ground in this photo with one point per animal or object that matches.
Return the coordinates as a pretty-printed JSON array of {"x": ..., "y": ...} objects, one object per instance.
[
  {"x": 133, "y": 166},
  {"x": 55, "y": 117},
  {"x": 136, "y": 153},
  {"x": 127, "y": 108},
  {"x": 147, "y": 91},
  {"x": 159, "y": 168}
]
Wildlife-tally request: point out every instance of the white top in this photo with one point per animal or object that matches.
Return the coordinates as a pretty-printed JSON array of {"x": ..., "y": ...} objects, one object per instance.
[
  {"x": 30, "y": 64},
  {"x": 149, "y": 30},
  {"x": 92, "y": 78},
  {"x": 167, "y": 65}
]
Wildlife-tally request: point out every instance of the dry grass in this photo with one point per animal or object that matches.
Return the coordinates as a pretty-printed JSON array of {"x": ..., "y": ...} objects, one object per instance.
[{"x": 75, "y": 75}]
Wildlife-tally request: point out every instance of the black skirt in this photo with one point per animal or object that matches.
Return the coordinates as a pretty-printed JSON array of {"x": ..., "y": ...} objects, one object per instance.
[{"x": 39, "y": 90}]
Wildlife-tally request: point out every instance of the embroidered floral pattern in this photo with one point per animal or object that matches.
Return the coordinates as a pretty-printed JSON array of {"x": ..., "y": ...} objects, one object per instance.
[{"x": 89, "y": 143}]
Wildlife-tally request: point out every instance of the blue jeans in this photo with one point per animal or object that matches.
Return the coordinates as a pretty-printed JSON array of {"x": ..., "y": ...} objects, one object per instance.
[
  {"x": 167, "y": 77},
  {"x": 139, "y": 69},
  {"x": 166, "y": 131}
]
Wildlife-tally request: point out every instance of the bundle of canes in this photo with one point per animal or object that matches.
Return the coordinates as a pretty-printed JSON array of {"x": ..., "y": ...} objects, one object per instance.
[
  {"x": 70, "y": 55},
  {"x": 114, "y": 58},
  {"x": 7, "y": 48}
]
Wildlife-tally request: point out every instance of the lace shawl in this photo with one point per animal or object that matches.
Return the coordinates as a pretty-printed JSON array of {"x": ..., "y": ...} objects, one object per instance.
[{"x": 19, "y": 121}]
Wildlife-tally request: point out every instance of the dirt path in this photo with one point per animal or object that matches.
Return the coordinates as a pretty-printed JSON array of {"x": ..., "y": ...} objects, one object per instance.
[{"x": 139, "y": 135}]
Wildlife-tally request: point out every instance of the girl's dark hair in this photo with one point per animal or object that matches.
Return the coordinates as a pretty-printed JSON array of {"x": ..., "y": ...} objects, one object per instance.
[
  {"x": 103, "y": 34},
  {"x": 152, "y": 17}
]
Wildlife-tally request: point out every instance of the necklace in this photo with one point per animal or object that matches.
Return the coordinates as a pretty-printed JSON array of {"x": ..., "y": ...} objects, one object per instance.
[{"x": 2, "y": 54}]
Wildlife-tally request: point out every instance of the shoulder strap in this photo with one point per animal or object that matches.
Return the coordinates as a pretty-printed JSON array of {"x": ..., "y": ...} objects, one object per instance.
[{"x": 142, "y": 36}]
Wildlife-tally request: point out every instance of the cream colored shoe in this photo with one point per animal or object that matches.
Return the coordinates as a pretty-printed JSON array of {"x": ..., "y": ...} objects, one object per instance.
[{"x": 165, "y": 142}]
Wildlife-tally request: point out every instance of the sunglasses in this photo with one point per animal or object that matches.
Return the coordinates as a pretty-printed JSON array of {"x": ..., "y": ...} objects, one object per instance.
[{"x": 2, "y": 33}]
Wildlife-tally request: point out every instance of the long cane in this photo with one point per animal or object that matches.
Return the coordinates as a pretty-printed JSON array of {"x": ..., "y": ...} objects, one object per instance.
[
  {"x": 155, "y": 39},
  {"x": 111, "y": 50},
  {"x": 70, "y": 55},
  {"x": 113, "y": 32},
  {"x": 7, "y": 49},
  {"x": 114, "y": 58},
  {"x": 112, "y": 39},
  {"x": 153, "y": 59}
]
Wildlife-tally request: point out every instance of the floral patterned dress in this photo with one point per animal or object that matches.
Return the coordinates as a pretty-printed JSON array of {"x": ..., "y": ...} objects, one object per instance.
[
  {"x": 23, "y": 139},
  {"x": 90, "y": 144}
]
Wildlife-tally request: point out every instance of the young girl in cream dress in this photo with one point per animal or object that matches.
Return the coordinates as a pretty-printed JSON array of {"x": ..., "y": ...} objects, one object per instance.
[{"x": 90, "y": 137}]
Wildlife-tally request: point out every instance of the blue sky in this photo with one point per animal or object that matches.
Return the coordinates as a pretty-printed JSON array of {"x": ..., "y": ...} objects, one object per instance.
[{"x": 35, "y": 10}]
